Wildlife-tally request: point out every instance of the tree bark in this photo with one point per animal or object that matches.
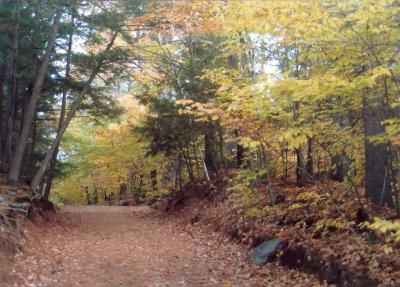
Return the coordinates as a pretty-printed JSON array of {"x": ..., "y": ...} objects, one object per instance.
[
  {"x": 253, "y": 182},
  {"x": 310, "y": 160},
  {"x": 397, "y": 178},
  {"x": 180, "y": 175},
  {"x": 11, "y": 98},
  {"x": 269, "y": 183},
  {"x": 204, "y": 164},
  {"x": 340, "y": 167},
  {"x": 209, "y": 150},
  {"x": 300, "y": 167},
  {"x": 153, "y": 177},
  {"x": 53, "y": 161},
  {"x": 259, "y": 163},
  {"x": 189, "y": 160},
  {"x": 221, "y": 149},
  {"x": 13, "y": 175},
  {"x": 2, "y": 115},
  {"x": 377, "y": 181},
  {"x": 195, "y": 158},
  {"x": 239, "y": 152},
  {"x": 39, "y": 175},
  {"x": 284, "y": 155},
  {"x": 33, "y": 144},
  {"x": 172, "y": 171},
  {"x": 340, "y": 162}
]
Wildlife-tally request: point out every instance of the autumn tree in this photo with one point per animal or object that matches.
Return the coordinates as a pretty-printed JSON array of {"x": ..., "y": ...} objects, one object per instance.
[
  {"x": 104, "y": 17},
  {"x": 109, "y": 161},
  {"x": 314, "y": 104}
]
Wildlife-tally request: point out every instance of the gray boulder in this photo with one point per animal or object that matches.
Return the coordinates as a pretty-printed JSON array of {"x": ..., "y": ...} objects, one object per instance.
[{"x": 266, "y": 251}]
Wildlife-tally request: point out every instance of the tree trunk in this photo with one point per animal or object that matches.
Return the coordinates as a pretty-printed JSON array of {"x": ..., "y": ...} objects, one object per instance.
[
  {"x": 196, "y": 159},
  {"x": 50, "y": 176},
  {"x": 53, "y": 161},
  {"x": 340, "y": 167},
  {"x": 88, "y": 199},
  {"x": 209, "y": 150},
  {"x": 284, "y": 155},
  {"x": 32, "y": 152},
  {"x": 164, "y": 177},
  {"x": 300, "y": 167},
  {"x": 11, "y": 98},
  {"x": 13, "y": 175},
  {"x": 153, "y": 177},
  {"x": 180, "y": 175},
  {"x": 340, "y": 162},
  {"x": 70, "y": 115},
  {"x": 397, "y": 179},
  {"x": 239, "y": 152},
  {"x": 95, "y": 195},
  {"x": 377, "y": 183},
  {"x": 173, "y": 170},
  {"x": 310, "y": 160},
  {"x": 269, "y": 183},
  {"x": 2, "y": 113},
  {"x": 221, "y": 149},
  {"x": 251, "y": 165},
  {"x": 22, "y": 115},
  {"x": 41, "y": 187},
  {"x": 122, "y": 191},
  {"x": 259, "y": 163},
  {"x": 187, "y": 162},
  {"x": 204, "y": 164}
]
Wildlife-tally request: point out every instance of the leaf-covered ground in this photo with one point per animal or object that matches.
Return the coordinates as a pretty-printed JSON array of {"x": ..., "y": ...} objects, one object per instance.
[
  {"x": 341, "y": 254},
  {"x": 135, "y": 246}
]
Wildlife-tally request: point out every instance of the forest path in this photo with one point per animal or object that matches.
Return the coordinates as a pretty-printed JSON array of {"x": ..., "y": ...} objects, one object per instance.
[{"x": 131, "y": 246}]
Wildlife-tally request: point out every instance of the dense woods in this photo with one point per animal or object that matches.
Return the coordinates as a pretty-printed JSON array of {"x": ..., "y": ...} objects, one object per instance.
[{"x": 102, "y": 101}]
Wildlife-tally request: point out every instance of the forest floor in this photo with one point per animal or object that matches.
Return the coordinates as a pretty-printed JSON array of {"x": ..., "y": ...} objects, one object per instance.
[
  {"x": 319, "y": 224},
  {"x": 135, "y": 246},
  {"x": 195, "y": 238}
]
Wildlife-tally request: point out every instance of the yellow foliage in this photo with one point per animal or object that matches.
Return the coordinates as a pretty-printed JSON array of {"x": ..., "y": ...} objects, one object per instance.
[{"x": 391, "y": 229}]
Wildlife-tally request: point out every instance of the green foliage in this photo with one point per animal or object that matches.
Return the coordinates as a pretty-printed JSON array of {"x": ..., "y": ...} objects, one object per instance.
[
  {"x": 156, "y": 195},
  {"x": 167, "y": 130},
  {"x": 247, "y": 201},
  {"x": 56, "y": 199}
]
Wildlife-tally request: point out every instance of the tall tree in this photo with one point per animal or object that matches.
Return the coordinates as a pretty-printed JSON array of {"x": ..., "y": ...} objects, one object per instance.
[
  {"x": 14, "y": 173},
  {"x": 39, "y": 175},
  {"x": 11, "y": 95},
  {"x": 63, "y": 105}
]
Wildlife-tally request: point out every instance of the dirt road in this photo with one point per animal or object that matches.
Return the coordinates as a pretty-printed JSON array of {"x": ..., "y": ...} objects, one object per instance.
[{"x": 132, "y": 246}]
